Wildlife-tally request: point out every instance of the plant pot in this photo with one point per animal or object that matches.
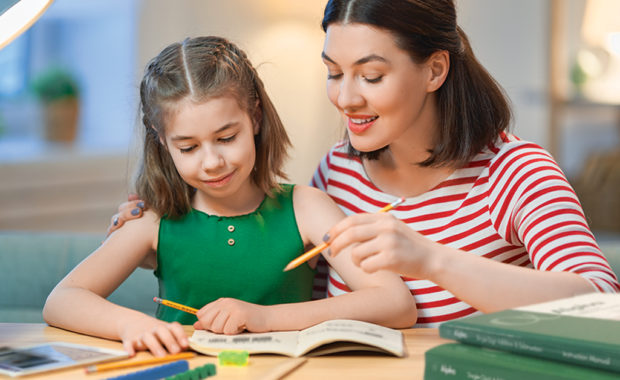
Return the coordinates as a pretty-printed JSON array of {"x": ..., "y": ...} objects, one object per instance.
[{"x": 61, "y": 120}]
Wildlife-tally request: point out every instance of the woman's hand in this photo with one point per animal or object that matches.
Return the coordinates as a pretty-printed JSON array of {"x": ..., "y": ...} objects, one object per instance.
[
  {"x": 232, "y": 316},
  {"x": 154, "y": 335},
  {"x": 381, "y": 241},
  {"x": 132, "y": 209}
]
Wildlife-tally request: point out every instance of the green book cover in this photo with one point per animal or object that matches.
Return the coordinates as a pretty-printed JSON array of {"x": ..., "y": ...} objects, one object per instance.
[
  {"x": 464, "y": 361},
  {"x": 582, "y": 330}
]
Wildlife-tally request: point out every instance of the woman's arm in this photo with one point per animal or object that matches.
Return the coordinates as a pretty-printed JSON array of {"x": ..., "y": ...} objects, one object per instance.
[
  {"x": 79, "y": 302},
  {"x": 381, "y": 297},
  {"x": 384, "y": 243},
  {"x": 531, "y": 205}
]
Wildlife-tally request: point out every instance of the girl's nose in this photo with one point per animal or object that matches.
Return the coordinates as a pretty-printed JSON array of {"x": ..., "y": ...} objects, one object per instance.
[{"x": 212, "y": 159}]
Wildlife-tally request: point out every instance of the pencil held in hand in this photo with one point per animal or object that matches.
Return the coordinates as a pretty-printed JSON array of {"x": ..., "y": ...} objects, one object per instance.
[
  {"x": 175, "y": 305},
  {"x": 316, "y": 250}
]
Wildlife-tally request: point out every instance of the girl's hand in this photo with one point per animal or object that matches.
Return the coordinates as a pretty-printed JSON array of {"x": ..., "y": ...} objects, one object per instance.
[
  {"x": 132, "y": 209},
  {"x": 232, "y": 316},
  {"x": 381, "y": 241},
  {"x": 154, "y": 335}
]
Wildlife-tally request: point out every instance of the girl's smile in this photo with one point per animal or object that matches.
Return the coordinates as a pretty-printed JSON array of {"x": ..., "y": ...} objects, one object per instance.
[{"x": 220, "y": 181}]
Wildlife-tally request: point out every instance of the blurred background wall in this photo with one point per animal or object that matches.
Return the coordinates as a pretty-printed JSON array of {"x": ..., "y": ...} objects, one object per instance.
[{"x": 532, "y": 47}]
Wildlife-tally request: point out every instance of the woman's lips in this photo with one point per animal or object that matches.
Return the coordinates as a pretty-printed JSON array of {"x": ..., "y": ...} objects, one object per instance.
[{"x": 359, "y": 124}]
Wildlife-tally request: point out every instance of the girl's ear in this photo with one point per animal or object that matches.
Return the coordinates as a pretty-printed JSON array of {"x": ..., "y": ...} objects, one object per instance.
[{"x": 439, "y": 66}]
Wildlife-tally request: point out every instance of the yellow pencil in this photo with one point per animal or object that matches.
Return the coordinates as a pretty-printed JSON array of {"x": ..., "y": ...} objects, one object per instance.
[
  {"x": 135, "y": 363},
  {"x": 316, "y": 250},
  {"x": 175, "y": 305}
]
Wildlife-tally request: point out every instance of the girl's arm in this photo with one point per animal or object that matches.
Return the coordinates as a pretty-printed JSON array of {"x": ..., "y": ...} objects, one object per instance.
[
  {"x": 79, "y": 302},
  {"x": 381, "y": 297}
]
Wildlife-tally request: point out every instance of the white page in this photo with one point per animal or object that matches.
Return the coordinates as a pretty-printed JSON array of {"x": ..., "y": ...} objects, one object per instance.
[
  {"x": 283, "y": 342},
  {"x": 350, "y": 331}
]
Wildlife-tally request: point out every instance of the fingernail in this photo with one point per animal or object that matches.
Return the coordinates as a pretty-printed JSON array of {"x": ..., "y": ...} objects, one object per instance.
[
  {"x": 140, "y": 204},
  {"x": 329, "y": 252},
  {"x": 135, "y": 211},
  {"x": 116, "y": 221},
  {"x": 326, "y": 237}
]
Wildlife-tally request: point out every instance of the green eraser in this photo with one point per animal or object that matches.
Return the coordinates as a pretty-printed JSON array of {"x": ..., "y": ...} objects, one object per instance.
[{"x": 233, "y": 357}]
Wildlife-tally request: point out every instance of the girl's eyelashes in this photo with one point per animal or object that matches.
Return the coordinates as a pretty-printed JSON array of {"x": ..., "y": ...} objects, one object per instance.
[
  {"x": 187, "y": 150},
  {"x": 223, "y": 140},
  {"x": 227, "y": 139}
]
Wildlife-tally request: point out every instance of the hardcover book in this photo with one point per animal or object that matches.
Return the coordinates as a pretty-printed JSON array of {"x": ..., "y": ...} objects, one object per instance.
[
  {"x": 582, "y": 330},
  {"x": 324, "y": 338},
  {"x": 462, "y": 361}
]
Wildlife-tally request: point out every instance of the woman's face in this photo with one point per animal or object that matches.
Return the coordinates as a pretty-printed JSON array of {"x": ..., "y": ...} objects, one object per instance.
[{"x": 381, "y": 93}]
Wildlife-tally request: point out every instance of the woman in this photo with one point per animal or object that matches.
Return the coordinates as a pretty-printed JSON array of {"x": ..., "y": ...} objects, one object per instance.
[{"x": 489, "y": 222}]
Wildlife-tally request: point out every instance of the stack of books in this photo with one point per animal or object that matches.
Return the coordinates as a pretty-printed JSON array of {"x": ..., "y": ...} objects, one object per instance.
[{"x": 571, "y": 338}]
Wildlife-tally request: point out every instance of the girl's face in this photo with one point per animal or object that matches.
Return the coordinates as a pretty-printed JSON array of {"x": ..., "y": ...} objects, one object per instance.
[
  {"x": 381, "y": 93},
  {"x": 212, "y": 146}
]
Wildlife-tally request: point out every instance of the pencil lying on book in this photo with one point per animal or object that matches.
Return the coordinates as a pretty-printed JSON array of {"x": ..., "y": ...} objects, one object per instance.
[
  {"x": 135, "y": 363},
  {"x": 316, "y": 250},
  {"x": 175, "y": 305}
]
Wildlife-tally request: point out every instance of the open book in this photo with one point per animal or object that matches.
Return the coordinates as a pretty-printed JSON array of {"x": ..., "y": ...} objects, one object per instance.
[{"x": 325, "y": 338}]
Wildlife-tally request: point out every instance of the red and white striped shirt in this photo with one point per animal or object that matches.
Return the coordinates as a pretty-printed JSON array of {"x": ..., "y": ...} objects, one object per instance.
[{"x": 512, "y": 203}]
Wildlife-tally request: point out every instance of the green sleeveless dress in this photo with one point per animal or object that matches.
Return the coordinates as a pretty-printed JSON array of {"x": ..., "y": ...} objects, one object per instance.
[{"x": 202, "y": 257}]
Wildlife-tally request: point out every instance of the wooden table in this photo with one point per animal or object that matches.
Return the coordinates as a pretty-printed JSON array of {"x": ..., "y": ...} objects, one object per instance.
[{"x": 340, "y": 366}]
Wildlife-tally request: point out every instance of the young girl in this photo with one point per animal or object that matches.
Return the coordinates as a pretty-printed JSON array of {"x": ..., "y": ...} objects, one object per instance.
[{"x": 220, "y": 229}]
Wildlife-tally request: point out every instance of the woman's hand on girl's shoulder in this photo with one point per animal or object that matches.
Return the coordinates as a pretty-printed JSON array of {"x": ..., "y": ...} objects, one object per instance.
[{"x": 132, "y": 209}]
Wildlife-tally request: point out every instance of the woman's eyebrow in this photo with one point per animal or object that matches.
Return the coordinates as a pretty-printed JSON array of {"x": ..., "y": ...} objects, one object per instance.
[{"x": 361, "y": 61}]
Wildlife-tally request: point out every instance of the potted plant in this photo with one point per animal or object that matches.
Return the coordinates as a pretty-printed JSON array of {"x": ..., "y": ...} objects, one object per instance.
[{"x": 59, "y": 92}]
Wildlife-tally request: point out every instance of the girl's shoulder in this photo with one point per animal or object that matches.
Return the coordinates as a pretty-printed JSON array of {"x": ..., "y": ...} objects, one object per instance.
[
  {"x": 311, "y": 199},
  {"x": 147, "y": 225}
]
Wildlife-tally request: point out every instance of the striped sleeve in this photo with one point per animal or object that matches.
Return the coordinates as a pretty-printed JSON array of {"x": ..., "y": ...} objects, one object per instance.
[
  {"x": 319, "y": 180},
  {"x": 533, "y": 205}
]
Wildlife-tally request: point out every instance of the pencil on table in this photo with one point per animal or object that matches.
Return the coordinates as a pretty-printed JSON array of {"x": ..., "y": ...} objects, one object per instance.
[
  {"x": 316, "y": 250},
  {"x": 135, "y": 363},
  {"x": 175, "y": 305}
]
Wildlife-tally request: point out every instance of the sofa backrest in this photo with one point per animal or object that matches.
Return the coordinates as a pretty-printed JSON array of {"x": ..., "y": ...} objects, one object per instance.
[{"x": 32, "y": 263}]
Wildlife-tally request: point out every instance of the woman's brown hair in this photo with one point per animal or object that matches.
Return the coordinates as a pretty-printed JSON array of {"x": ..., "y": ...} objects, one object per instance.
[
  {"x": 473, "y": 108},
  {"x": 199, "y": 69}
]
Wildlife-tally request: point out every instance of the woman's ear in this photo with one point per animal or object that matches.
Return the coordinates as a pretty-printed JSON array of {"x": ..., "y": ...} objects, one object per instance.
[{"x": 439, "y": 66}]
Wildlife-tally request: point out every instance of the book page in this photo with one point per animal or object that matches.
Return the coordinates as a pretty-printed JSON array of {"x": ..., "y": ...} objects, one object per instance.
[
  {"x": 280, "y": 342},
  {"x": 593, "y": 305},
  {"x": 363, "y": 333}
]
